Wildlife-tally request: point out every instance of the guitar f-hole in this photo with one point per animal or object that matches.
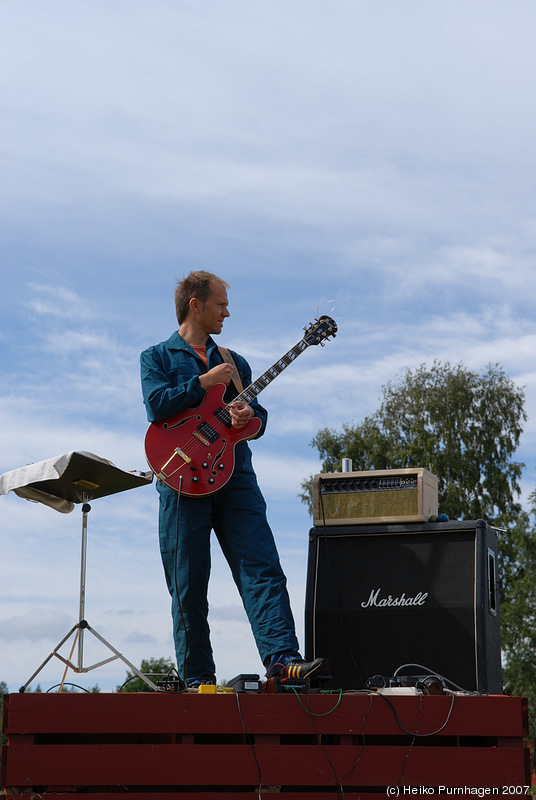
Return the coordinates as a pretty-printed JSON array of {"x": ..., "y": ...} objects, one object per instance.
[
  {"x": 217, "y": 465},
  {"x": 169, "y": 426}
]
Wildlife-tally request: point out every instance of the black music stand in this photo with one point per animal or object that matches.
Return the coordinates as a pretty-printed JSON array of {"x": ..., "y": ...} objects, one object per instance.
[{"x": 60, "y": 482}]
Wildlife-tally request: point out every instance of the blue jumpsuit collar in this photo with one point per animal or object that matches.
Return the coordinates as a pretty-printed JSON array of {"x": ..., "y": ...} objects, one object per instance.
[{"x": 176, "y": 342}]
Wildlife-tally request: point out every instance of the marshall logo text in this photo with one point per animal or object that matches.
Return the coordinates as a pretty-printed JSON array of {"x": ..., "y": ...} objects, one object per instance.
[{"x": 375, "y": 601}]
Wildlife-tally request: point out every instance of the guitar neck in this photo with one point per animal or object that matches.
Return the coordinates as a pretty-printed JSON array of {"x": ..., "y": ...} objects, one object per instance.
[{"x": 271, "y": 373}]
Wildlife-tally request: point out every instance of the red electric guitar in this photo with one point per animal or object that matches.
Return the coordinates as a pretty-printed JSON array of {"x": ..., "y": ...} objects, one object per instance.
[{"x": 193, "y": 452}]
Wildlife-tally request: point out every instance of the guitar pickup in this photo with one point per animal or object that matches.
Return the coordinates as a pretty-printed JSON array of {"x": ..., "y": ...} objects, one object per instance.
[{"x": 207, "y": 431}]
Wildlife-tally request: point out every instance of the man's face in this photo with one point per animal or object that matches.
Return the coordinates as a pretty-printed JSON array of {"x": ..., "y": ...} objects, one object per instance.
[{"x": 214, "y": 311}]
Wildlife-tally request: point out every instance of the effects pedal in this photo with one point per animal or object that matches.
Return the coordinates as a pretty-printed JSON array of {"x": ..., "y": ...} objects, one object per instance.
[
  {"x": 246, "y": 683},
  {"x": 172, "y": 685}
]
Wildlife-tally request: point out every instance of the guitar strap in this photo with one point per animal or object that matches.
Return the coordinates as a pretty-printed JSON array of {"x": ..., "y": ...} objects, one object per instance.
[{"x": 227, "y": 357}]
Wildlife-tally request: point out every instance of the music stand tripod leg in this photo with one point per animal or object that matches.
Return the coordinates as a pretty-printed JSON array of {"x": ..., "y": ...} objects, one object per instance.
[
  {"x": 48, "y": 658},
  {"x": 120, "y": 656}
]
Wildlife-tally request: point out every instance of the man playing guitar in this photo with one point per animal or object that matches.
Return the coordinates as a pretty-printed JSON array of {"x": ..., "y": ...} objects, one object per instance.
[{"x": 176, "y": 375}]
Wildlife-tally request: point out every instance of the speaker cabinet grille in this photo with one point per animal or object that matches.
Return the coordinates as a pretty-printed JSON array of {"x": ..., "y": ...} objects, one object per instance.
[
  {"x": 375, "y": 496},
  {"x": 381, "y": 597}
]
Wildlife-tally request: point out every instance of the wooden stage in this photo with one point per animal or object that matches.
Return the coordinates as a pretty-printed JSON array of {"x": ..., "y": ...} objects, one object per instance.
[{"x": 159, "y": 746}]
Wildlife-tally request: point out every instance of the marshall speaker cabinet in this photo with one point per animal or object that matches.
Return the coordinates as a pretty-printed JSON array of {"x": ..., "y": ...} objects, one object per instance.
[
  {"x": 380, "y": 597},
  {"x": 390, "y": 495}
]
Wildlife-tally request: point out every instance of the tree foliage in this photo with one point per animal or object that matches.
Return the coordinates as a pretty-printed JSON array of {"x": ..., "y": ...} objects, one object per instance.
[
  {"x": 154, "y": 668},
  {"x": 462, "y": 426},
  {"x": 518, "y": 609}
]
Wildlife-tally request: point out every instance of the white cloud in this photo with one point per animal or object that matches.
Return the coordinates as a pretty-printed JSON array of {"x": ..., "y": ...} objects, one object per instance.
[
  {"x": 35, "y": 626},
  {"x": 58, "y": 301}
]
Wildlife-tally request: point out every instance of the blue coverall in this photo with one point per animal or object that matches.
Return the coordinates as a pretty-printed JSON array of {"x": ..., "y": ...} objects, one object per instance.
[{"x": 237, "y": 513}]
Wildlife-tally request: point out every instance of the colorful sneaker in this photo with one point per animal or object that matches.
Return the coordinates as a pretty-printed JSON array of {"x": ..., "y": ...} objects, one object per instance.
[{"x": 300, "y": 669}]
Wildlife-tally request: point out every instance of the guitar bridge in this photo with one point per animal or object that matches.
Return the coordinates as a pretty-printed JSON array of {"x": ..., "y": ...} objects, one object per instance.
[{"x": 201, "y": 438}]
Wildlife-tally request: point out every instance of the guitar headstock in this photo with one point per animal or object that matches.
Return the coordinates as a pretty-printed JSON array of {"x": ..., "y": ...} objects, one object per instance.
[{"x": 320, "y": 330}]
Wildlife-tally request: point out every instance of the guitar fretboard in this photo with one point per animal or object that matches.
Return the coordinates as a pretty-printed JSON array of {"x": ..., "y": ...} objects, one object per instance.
[{"x": 271, "y": 373}]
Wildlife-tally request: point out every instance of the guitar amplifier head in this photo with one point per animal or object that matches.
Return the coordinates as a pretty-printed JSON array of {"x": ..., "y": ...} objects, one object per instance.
[{"x": 383, "y": 496}]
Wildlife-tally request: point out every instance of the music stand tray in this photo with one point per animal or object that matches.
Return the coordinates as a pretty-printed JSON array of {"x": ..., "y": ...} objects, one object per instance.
[{"x": 61, "y": 482}]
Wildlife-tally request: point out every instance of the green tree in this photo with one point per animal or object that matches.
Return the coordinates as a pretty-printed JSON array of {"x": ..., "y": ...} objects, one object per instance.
[
  {"x": 155, "y": 668},
  {"x": 462, "y": 426},
  {"x": 518, "y": 606}
]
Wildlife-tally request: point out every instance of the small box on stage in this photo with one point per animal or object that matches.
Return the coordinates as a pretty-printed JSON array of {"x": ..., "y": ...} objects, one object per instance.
[{"x": 383, "y": 496}]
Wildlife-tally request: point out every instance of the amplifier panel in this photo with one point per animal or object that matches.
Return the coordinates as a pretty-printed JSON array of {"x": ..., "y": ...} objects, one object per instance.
[{"x": 383, "y": 496}]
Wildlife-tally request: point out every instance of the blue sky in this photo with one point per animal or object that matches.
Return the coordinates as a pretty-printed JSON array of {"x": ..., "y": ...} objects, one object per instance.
[{"x": 370, "y": 160}]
